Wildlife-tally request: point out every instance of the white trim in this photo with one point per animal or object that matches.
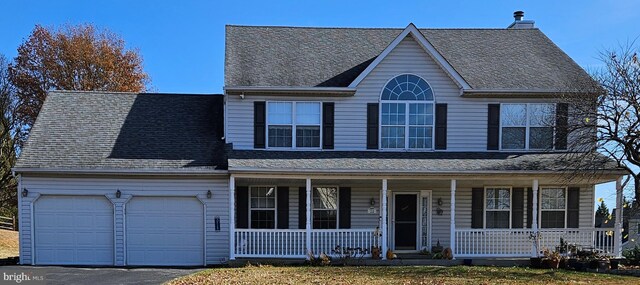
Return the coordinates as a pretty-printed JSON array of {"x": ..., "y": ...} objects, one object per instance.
[
  {"x": 288, "y": 90},
  {"x": 293, "y": 125},
  {"x": 119, "y": 171},
  {"x": 418, "y": 236},
  {"x": 20, "y": 221},
  {"x": 566, "y": 201},
  {"x": 308, "y": 216},
  {"x": 484, "y": 206},
  {"x": 452, "y": 236},
  {"x": 337, "y": 206},
  {"x": 384, "y": 217},
  {"x": 407, "y": 126},
  {"x": 232, "y": 218},
  {"x": 527, "y": 126},
  {"x": 429, "y": 195},
  {"x": 275, "y": 207},
  {"x": 426, "y": 45}
]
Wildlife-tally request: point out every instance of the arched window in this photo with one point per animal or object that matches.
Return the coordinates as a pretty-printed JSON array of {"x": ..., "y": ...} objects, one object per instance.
[{"x": 406, "y": 113}]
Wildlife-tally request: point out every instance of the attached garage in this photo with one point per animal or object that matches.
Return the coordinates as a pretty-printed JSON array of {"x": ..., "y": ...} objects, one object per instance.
[
  {"x": 165, "y": 231},
  {"x": 73, "y": 230}
]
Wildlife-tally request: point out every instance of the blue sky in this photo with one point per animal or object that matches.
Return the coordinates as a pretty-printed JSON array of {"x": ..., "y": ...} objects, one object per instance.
[{"x": 182, "y": 42}]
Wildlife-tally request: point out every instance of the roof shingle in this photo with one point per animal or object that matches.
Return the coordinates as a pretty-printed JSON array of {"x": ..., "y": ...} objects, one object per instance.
[{"x": 102, "y": 130}]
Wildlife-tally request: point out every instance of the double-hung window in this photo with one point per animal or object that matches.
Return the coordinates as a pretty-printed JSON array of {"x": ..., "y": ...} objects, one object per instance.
[
  {"x": 498, "y": 207},
  {"x": 527, "y": 126},
  {"x": 263, "y": 207},
  {"x": 293, "y": 124},
  {"x": 325, "y": 207},
  {"x": 406, "y": 114},
  {"x": 553, "y": 208}
]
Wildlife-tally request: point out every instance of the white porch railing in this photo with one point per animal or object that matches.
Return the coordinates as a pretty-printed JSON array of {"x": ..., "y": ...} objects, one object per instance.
[
  {"x": 270, "y": 243},
  {"x": 326, "y": 241},
  {"x": 286, "y": 243},
  {"x": 518, "y": 242}
]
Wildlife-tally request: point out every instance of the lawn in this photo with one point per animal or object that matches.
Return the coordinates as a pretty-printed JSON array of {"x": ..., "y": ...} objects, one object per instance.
[
  {"x": 8, "y": 243},
  {"x": 397, "y": 275}
]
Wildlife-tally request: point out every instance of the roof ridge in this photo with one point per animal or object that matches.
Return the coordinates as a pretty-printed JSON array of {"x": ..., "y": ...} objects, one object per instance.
[
  {"x": 130, "y": 93},
  {"x": 361, "y": 28}
]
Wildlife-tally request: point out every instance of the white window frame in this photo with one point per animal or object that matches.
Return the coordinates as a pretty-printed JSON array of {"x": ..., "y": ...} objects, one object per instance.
[
  {"x": 275, "y": 207},
  {"x": 293, "y": 126},
  {"x": 313, "y": 209},
  {"x": 566, "y": 204},
  {"x": 527, "y": 127},
  {"x": 407, "y": 126},
  {"x": 484, "y": 206}
]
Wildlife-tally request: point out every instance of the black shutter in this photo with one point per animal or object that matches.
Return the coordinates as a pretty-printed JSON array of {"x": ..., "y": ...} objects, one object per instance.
[
  {"x": 441, "y": 126},
  {"x": 327, "y": 125},
  {"x": 242, "y": 207},
  {"x": 302, "y": 208},
  {"x": 517, "y": 208},
  {"x": 529, "y": 207},
  {"x": 493, "y": 127},
  {"x": 344, "y": 196},
  {"x": 477, "y": 208},
  {"x": 372, "y": 126},
  {"x": 283, "y": 207},
  {"x": 573, "y": 207},
  {"x": 259, "y": 124},
  {"x": 562, "y": 125}
]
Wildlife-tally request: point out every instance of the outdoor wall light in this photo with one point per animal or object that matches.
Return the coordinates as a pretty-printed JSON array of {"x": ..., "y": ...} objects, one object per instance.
[
  {"x": 25, "y": 192},
  {"x": 372, "y": 202},
  {"x": 209, "y": 194},
  {"x": 439, "y": 211},
  {"x": 118, "y": 194}
]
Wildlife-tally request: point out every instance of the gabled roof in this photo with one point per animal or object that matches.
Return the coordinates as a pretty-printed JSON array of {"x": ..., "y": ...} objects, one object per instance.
[
  {"x": 487, "y": 59},
  {"x": 110, "y": 131}
]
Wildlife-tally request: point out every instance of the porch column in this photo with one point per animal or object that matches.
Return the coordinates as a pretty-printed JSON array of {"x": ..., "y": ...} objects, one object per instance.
[
  {"x": 232, "y": 218},
  {"x": 453, "y": 217},
  {"x": 383, "y": 214},
  {"x": 617, "y": 237},
  {"x": 308, "y": 225},
  {"x": 534, "y": 220}
]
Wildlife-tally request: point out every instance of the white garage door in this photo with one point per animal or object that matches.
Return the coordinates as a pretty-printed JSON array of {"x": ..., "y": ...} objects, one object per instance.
[
  {"x": 73, "y": 230},
  {"x": 165, "y": 231}
]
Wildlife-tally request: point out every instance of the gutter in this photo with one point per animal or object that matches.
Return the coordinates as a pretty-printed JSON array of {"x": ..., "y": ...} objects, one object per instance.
[
  {"x": 132, "y": 172},
  {"x": 367, "y": 172},
  {"x": 289, "y": 91}
]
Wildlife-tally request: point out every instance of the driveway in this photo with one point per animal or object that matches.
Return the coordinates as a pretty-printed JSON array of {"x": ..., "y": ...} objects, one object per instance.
[{"x": 97, "y": 276}]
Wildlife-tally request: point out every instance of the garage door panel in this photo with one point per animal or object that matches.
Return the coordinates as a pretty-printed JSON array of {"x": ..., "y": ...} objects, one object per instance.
[
  {"x": 165, "y": 231},
  {"x": 73, "y": 230}
]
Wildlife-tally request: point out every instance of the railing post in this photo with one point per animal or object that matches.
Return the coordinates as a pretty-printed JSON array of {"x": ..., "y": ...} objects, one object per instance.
[
  {"x": 617, "y": 236},
  {"x": 453, "y": 217},
  {"x": 383, "y": 214},
  {"x": 232, "y": 218},
  {"x": 308, "y": 225},
  {"x": 534, "y": 220},
  {"x": 15, "y": 227}
]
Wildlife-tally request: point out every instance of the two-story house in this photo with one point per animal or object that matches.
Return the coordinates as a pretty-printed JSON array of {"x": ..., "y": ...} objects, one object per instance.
[{"x": 391, "y": 138}]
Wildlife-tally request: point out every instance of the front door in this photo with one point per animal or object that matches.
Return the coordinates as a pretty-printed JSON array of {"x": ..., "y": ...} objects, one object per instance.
[{"x": 405, "y": 221}]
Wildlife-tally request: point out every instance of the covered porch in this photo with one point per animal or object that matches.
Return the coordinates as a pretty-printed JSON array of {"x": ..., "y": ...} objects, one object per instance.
[{"x": 295, "y": 215}]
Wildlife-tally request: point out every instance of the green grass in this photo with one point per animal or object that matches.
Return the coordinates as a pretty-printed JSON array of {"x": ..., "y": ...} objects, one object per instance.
[{"x": 397, "y": 275}]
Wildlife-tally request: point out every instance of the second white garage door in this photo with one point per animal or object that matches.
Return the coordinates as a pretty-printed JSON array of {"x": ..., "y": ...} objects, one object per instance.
[{"x": 165, "y": 231}]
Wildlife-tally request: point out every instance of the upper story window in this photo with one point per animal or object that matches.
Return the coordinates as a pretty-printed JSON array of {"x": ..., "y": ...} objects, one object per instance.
[
  {"x": 406, "y": 114},
  {"x": 293, "y": 124},
  {"x": 527, "y": 126}
]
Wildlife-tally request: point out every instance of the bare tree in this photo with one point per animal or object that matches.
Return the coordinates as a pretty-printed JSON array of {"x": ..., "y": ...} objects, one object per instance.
[
  {"x": 606, "y": 120},
  {"x": 8, "y": 133}
]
